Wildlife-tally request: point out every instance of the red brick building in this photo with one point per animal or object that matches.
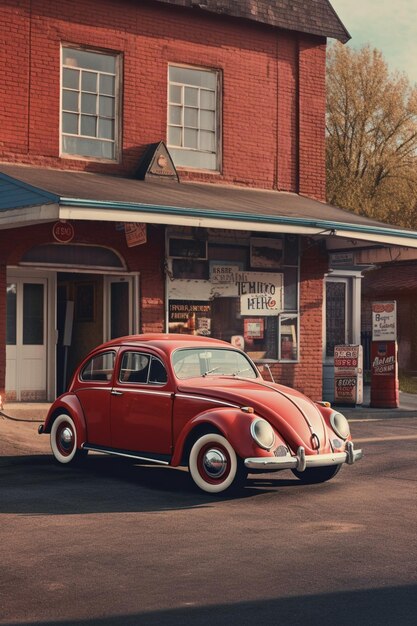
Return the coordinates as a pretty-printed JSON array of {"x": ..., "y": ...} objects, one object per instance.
[{"x": 104, "y": 230}]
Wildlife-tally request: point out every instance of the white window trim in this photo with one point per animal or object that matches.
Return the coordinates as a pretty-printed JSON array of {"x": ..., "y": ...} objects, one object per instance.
[
  {"x": 218, "y": 119},
  {"x": 117, "y": 112}
]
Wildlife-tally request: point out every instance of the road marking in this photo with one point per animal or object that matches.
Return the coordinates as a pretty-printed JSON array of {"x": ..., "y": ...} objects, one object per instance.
[{"x": 390, "y": 438}]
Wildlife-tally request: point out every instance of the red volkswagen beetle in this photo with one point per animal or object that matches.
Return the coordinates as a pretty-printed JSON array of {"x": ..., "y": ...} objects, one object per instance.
[{"x": 187, "y": 400}]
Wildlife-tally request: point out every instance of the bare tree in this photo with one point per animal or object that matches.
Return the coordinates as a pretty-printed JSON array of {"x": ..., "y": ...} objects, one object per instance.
[{"x": 371, "y": 145}]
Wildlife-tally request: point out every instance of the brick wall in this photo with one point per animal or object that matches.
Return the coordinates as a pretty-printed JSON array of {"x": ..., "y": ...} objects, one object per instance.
[
  {"x": 306, "y": 375},
  {"x": 2, "y": 327},
  {"x": 273, "y": 86}
]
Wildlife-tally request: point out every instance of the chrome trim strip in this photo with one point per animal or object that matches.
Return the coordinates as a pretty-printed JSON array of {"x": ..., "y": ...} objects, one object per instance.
[
  {"x": 301, "y": 461},
  {"x": 207, "y": 399},
  {"x": 149, "y": 392},
  {"x": 86, "y": 446}
]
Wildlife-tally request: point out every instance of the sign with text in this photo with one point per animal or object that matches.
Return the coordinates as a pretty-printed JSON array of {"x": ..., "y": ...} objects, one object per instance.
[
  {"x": 384, "y": 374},
  {"x": 348, "y": 374},
  {"x": 135, "y": 234},
  {"x": 384, "y": 321},
  {"x": 223, "y": 274},
  {"x": 261, "y": 293},
  {"x": 190, "y": 317}
]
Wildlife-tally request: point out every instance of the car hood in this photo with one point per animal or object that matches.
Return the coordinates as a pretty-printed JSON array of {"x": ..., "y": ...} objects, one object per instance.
[{"x": 295, "y": 417}]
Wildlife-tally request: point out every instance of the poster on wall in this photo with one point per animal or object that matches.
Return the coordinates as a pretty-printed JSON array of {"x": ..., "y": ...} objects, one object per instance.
[
  {"x": 261, "y": 293},
  {"x": 384, "y": 321},
  {"x": 135, "y": 234},
  {"x": 189, "y": 317},
  {"x": 253, "y": 328}
]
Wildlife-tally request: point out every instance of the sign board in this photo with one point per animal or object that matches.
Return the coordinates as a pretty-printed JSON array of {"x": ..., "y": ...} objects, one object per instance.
[
  {"x": 348, "y": 374},
  {"x": 190, "y": 317},
  {"x": 384, "y": 321},
  {"x": 135, "y": 234},
  {"x": 223, "y": 274},
  {"x": 63, "y": 232},
  {"x": 261, "y": 293}
]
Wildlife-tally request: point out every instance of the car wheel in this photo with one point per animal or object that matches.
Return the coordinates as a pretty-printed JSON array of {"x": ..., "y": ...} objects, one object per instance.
[
  {"x": 214, "y": 465},
  {"x": 64, "y": 439},
  {"x": 314, "y": 475}
]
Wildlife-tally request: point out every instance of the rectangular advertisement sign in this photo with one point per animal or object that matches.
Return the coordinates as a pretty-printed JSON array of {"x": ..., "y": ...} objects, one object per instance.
[
  {"x": 384, "y": 321},
  {"x": 348, "y": 374}
]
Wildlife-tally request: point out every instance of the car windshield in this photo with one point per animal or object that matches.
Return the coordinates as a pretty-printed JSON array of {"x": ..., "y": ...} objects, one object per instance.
[{"x": 194, "y": 362}]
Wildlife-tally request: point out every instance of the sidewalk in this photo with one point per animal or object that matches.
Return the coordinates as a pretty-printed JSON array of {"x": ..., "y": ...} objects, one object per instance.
[{"x": 35, "y": 411}]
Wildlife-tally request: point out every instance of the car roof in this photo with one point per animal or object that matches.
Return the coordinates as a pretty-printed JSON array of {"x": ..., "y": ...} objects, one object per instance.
[{"x": 166, "y": 342}]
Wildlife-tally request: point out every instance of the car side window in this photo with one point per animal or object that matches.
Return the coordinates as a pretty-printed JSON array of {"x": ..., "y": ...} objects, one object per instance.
[
  {"x": 99, "y": 368},
  {"x": 142, "y": 368},
  {"x": 158, "y": 373}
]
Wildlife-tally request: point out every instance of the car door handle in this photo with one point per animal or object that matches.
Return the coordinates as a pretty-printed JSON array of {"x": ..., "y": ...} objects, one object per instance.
[{"x": 116, "y": 393}]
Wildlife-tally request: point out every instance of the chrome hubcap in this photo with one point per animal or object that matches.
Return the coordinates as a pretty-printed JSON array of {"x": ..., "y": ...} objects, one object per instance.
[
  {"x": 215, "y": 463},
  {"x": 66, "y": 438}
]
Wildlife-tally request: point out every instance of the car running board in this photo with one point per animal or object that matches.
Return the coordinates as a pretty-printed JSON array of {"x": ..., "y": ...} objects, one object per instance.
[{"x": 128, "y": 455}]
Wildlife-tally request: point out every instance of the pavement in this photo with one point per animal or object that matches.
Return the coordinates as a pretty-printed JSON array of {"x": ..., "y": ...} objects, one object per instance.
[{"x": 36, "y": 411}]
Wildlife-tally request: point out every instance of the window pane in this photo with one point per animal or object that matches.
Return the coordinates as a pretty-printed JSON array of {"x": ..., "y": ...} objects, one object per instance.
[
  {"x": 89, "y": 60},
  {"x": 107, "y": 85},
  {"x": 70, "y": 78},
  {"x": 188, "y": 76},
  {"x": 190, "y": 138},
  {"x": 207, "y": 99},
  {"x": 106, "y": 128},
  {"x": 288, "y": 338},
  {"x": 191, "y": 96},
  {"x": 70, "y": 101},
  {"x": 88, "y": 125},
  {"x": 32, "y": 314},
  {"x": 207, "y": 141},
  {"x": 11, "y": 315},
  {"x": 174, "y": 136},
  {"x": 106, "y": 106},
  {"x": 175, "y": 115},
  {"x": 88, "y": 147},
  {"x": 88, "y": 103},
  {"x": 175, "y": 94},
  {"x": 191, "y": 117},
  {"x": 207, "y": 120},
  {"x": 89, "y": 81},
  {"x": 135, "y": 367},
  {"x": 70, "y": 123},
  {"x": 290, "y": 288},
  {"x": 99, "y": 368}
]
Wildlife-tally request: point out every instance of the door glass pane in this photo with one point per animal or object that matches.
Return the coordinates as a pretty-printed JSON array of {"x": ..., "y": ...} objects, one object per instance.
[
  {"x": 33, "y": 314},
  {"x": 119, "y": 309},
  {"x": 11, "y": 315},
  {"x": 335, "y": 316}
]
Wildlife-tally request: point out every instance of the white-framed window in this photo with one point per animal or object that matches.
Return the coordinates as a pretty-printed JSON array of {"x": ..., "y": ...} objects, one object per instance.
[
  {"x": 89, "y": 103},
  {"x": 194, "y": 117}
]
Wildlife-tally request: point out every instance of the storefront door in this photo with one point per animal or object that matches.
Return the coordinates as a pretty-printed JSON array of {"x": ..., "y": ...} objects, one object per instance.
[{"x": 26, "y": 339}]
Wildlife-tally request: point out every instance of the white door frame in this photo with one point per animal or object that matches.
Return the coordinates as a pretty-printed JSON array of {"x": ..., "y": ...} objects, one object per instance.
[{"x": 22, "y": 275}]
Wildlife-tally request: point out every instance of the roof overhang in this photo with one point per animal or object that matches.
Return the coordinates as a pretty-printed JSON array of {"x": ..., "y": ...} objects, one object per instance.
[{"x": 38, "y": 195}]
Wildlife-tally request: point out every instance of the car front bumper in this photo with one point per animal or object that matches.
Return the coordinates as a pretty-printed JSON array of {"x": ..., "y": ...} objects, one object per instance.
[{"x": 301, "y": 461}]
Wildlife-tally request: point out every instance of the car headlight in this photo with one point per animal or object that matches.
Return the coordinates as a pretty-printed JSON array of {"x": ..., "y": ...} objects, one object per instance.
[
  {"x": 340, "y": 425},
  {"x": 262, "y": 433}
]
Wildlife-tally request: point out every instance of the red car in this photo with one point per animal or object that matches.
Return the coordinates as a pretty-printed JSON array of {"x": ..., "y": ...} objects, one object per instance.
[{"x": 188, "y": 400}]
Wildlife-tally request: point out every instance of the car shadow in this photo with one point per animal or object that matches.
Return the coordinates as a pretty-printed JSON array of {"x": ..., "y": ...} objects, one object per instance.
[{"x": 36, "y": 484}]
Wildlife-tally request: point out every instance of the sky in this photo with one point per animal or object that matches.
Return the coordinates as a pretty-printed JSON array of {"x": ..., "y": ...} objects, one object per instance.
[{"x": 389, "y": 25}]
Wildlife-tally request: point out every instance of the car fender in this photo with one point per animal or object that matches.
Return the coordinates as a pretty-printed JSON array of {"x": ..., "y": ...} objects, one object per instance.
[
  {"x": 233, "y": 424},
  {"x": 68, "y": 403}
]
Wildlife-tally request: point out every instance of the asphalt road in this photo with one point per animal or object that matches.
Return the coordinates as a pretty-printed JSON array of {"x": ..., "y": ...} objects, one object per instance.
[{"x": 112, "y": 543}]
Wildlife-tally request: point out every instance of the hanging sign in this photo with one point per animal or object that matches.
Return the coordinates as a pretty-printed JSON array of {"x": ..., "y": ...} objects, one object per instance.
[
  {"x": 384, "y": 321},
  {"x": 63, "y": 232},
  {"x": 135, "y": 234}
]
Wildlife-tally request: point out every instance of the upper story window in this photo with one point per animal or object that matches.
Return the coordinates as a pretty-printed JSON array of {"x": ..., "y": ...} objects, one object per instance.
[
  {"x": 193, "y": 117},
  {"x": 89, "y": 104}
]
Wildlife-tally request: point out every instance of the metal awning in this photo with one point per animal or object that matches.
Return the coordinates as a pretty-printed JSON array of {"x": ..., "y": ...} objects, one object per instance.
[{"x": 31, "y": 195}]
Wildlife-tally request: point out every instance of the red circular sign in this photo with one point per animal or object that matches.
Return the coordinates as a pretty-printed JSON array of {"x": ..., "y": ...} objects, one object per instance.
[{"x": 63, "y": 232}]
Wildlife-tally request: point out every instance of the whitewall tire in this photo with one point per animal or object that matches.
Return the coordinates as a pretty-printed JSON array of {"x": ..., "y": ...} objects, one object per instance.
[
  {"x": 214, "y": 465},
  {"x": 64, "y": 439}
]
